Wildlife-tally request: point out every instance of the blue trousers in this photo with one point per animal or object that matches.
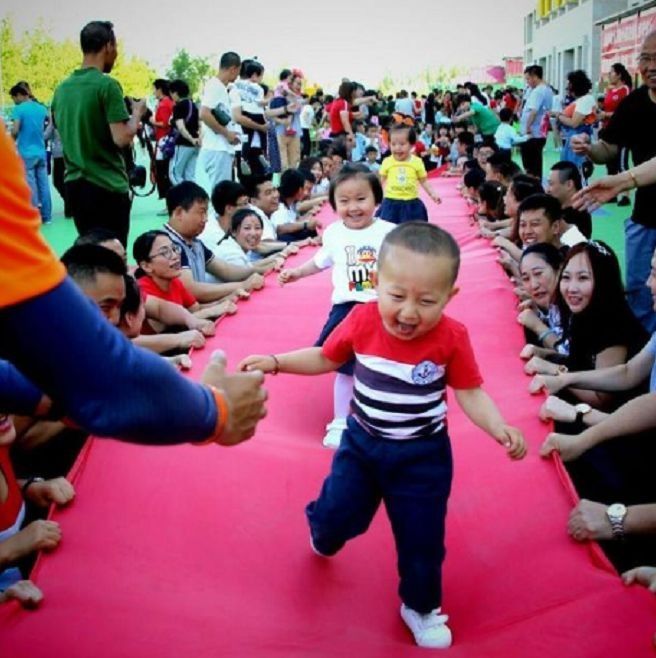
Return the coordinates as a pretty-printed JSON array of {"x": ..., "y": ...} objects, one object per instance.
[
  {"x": 640, "y": 245},
  {"x": 37, "y": 178},
  {"x": 413, "y": 479}
]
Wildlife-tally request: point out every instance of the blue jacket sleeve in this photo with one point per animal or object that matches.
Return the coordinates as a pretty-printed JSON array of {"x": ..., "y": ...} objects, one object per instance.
[
  {"x": 18, "y": 395},
  {"x": 63, "y": 344}
]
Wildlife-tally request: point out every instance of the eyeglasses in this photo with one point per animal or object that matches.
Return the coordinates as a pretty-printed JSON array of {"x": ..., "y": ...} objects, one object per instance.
[{"x": 167, "y": 252}]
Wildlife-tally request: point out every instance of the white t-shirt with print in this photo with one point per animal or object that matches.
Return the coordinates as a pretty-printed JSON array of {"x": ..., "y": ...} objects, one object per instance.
[
  {"x": 215, "y": 93},
  {"x": 353, "y": 255}
]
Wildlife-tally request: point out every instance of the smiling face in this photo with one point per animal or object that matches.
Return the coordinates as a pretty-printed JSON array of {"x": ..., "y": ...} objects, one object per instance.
[
  {"x": 7, "y": 430},
  {"x": 355, "y": 203},
  {"x": 249, "y": 233},
  {"x": 534, "y": 227},
  {"x": 268, "y": 198},
  {"x": 163, "y": 260},
  {"x": 413, "y": 290},
  {"x": 577, "y": 283},
  {"x": 647, "y": 61},
  {"x": 539, "y": 279}
]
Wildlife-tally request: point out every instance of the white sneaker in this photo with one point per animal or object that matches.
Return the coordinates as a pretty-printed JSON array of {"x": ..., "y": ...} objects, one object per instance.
[
  {"x": 430, "y": 630},
  {"x": 334, "y": 431}
]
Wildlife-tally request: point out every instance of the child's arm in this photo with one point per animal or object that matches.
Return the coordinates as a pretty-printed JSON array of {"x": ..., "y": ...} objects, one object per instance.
[
  {"x": 429, "y": 190},
  {"x": 295, "y": 273},
  {"x": 307, "y": 361},
  {"x": 482, "y": 411}
]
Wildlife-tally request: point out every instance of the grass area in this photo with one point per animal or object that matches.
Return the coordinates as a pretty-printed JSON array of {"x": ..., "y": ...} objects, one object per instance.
[{"x": 607, "y": 221}]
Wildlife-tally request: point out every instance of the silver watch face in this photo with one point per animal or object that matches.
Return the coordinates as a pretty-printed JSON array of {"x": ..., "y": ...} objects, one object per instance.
[
  {"x": 583, "y": 408},
  {"x": 616, "y": 511}
]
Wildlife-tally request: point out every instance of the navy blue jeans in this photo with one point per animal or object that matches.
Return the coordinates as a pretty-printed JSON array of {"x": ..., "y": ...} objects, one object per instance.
[{"x": 413, "y": 479}]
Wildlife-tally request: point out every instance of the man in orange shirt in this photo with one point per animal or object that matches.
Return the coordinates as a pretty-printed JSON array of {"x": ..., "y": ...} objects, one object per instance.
[{"x": 139, "y": 398}]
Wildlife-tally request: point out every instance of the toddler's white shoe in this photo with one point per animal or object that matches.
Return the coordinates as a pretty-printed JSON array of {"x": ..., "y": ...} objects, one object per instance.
[
  {"x": 430, "y": 630},
  {"x": 334, "y": 431}
]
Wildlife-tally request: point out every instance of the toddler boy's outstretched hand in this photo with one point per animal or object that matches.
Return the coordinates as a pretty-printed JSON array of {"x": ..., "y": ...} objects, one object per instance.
[{"x": 512, "y": 440}]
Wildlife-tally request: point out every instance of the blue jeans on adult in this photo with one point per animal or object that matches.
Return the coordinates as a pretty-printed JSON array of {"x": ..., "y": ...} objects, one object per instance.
[
  {"x": 640, "y": 245},
  {"x": 37, "y": 179}
]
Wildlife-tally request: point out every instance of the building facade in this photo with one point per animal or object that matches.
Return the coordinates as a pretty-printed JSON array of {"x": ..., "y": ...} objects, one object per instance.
[{"x": 564, "y": 35}]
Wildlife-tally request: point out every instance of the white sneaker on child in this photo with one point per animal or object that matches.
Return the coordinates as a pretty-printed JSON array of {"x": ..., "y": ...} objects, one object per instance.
[
  {"x": 430, "y": 630},
  {"x": 334, "y": 431}
]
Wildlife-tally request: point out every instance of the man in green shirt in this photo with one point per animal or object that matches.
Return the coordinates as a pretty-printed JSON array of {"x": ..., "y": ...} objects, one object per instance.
[
  {"x": 486, "y": 120},
  {"x": 94, "y": 124}
]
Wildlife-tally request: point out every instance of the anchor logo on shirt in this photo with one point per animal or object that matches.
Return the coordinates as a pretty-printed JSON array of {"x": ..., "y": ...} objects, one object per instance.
[{"x": 426, "y": 373}]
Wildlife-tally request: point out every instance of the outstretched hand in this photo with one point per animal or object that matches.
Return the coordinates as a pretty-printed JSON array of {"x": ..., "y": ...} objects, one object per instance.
[{"x": 599, "y": 192}]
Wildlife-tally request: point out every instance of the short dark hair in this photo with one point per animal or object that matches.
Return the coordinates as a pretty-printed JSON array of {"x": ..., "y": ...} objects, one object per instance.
[
  {"x": 179, "y": 87},
  {"x": 398, "y": 127},
  {"x": 96, "y": 235},
  {"x": 568, "y": 171},
  {"x": 229, "y": 59},
  {"x": 250, "y": 67},
  {"x": 462, "y": 98},
  {"x": 353, "y": 171},
  {"x": 371, "y": 149},
  {"x": 466, "y": 138},
  {"x": 534, "y": 69},
  {"x": 95, "y": 36},
  {"x": 291, "y": 181},
  {"x": 523, "y": 186},
  {"x": 284, "y": 74},
  {"x": 226, "y": 193},
  {"x": 506, "y": 115},
  {"x": 252, "y": 184},
  {"x": 491, "y": 193},
  {"x": 475, "y": 177},
  {"x": 422, "y": 238},
  {"x": 162, "y": 85},
  {"x": 308, "y": 176},
  {"x": 184, "y": 195},
  {"x": 84, "y": 262},
  {"x": 550, "y": 205},
  {"x": 502, "y": 165}
]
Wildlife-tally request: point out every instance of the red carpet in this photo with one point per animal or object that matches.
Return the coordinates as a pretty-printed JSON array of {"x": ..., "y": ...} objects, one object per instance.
[{"x": 204, "y": 552}]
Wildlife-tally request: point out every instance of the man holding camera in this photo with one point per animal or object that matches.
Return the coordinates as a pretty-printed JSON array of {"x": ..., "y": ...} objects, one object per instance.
[
  {"x": 219, "y": 136},
  {"x": 90, "y": 114}
]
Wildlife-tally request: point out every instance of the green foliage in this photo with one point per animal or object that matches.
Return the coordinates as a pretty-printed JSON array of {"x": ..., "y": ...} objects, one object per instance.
[
  {"x": 193, "y": 70},
  {"x": 44, "y": 62},
  {"x": 424, "y": 81}
]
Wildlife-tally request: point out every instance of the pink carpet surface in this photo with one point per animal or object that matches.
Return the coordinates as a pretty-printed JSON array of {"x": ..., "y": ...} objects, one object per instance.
[{"x": 204, "y": 551}]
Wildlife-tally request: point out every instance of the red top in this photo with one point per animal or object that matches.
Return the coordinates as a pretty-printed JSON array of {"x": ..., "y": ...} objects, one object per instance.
[
  {"x": 163, "y": 114},
  {"x": 614, "y": 96},
  {"x": 338, "y": 106},
  {"x": 177, "y": 293},
  {"x": 10, "y": 508}
]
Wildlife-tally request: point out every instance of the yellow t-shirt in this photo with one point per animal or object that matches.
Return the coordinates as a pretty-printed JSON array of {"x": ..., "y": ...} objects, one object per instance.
[{"x": 402, "y": 177}]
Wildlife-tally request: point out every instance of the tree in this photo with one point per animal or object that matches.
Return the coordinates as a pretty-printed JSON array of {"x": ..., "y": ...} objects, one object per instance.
[
  {"x": 193, "y": 70},
  {"x": 39, "y": 59}
]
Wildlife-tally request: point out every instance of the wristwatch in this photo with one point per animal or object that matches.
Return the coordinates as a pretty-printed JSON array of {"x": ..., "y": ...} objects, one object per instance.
[
  {"x": 616, "y": 514},
  {"x": 582, "y": 409}
]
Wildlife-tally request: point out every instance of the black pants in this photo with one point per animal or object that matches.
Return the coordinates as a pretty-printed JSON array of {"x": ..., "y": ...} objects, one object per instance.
[
  {"x": 58, "y": 171},
  {"x": 93, "y": 206},
  {"x": 413, "y": 479},
  {"x": 306, "y": 144},
  {"x": 163, "y": 180},
  {"x": 531, "y": 151}
]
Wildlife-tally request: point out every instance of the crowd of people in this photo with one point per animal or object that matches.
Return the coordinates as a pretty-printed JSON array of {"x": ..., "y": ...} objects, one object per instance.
[{"x": 245, "y": 174}]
